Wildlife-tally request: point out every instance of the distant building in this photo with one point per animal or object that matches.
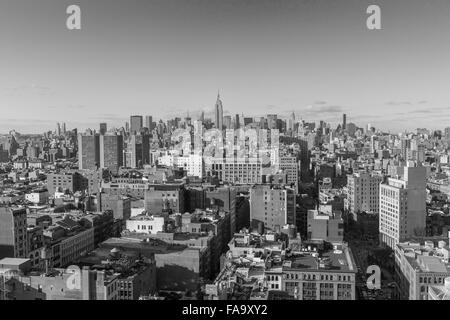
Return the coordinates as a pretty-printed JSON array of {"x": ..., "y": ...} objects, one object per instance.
[
  {"x": 136, "y": 124},
  {"x": 111, "y": 152},
  {"x": 88, "y": 151},
  {"x": 420, "y": 268}
]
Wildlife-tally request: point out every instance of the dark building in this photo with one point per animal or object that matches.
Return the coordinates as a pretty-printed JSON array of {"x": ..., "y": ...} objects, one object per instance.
[
  {"x": 88, "y": 151},
  {"x": 67, "y": 181},
  {"x": 103, "y": 128},
  {"x": 111, "y": 152},
  {"x": 136, "y": 124}
]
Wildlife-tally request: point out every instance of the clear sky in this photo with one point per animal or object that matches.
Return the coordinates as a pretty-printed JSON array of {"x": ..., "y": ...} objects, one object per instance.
[{"x": 167, "y": 57}]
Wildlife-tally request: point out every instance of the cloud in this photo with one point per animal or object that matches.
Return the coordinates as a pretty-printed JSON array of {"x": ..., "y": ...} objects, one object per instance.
[
  {"x": 398, "y": 103},
  {"x": 28, "y": 89},
  {"x": 320, "y": 102},
  {"x": 324, "y": 109}
]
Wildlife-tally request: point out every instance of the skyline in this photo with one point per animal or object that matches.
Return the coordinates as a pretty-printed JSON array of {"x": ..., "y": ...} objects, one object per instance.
[{"x": 167, "y": 58}]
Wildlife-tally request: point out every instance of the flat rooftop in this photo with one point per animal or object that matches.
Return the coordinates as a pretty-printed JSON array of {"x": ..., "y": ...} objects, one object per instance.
[
  {"x": 333, "y": 260},
  {"x": 13, "y": 261}
]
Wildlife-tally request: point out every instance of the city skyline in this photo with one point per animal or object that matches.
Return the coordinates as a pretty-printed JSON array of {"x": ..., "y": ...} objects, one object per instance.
[{"x": 167, "y": 58}]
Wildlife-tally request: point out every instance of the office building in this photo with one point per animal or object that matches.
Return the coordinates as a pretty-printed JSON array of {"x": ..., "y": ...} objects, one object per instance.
[{"x": 403, "y": 206}]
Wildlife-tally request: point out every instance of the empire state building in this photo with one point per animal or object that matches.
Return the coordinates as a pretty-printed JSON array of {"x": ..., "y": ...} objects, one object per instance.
[{"x": 218, "y": 112}]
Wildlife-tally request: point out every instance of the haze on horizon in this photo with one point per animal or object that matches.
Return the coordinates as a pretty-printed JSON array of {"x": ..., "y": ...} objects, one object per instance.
[{"x": 166, "y": 58}]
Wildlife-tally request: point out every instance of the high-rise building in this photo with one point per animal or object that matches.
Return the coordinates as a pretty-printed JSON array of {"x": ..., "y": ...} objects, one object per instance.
[
  {"x": 237, "y": 123},
  {"x": 421, "y": 268},
  {"x": 272, "y": 121},
  {"x": 136, "y": 124},
  {"x": 137, "y": 152},
  {"x": 13, "y": 232},
  {"x": 344, "y": 121},
  {"x": 363, "y": 192},
  {"x": 447, "y": 133},
  {"x": 289, "y": 165},
  {"x": 88, "y": 151},
  {"x": 227, "y": 122},
  {"x": 218, "y": 113},
  {"x": 103, "y": 128},
  {"x": 327, "y": 227},
  {"x": 403, "y": 206},
  {"x": 273, "y": 206},
  {"x": 111, "y": 152}
]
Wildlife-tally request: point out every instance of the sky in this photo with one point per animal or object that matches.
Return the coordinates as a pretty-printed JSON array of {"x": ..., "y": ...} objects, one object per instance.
[{"x": 168, "y": 58}]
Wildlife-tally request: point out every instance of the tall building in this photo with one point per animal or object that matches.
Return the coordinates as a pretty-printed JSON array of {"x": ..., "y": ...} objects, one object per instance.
[
  {"x": 218, "y": 113},
  {"x": 344, "y": 121},
  {"x": 136, "y": 124},
  {"x": 88, "y": 151},
  {"x": 403, "y": 206},
  {"x": 237, "y": 123},
  {"x": 290, "y": 166},
  {"x": 227, "y": 122},
  {"x": 13, "y": 232},
  {"x": 238, "y": 171},
  {"x": 274, "y": 206},
  {"x": 103, "y": 128},
  {"x": 137, "y": 152},
  {"x": 149, "y": 123},
  {"x": 363, "y": 192},
  {"x": 111, "y": 152},
  {"x": 272, "y": 121}
]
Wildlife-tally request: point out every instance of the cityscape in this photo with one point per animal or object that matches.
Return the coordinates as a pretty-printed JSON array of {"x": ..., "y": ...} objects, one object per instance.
[
  {"x": 200, "y": 154},
  {"x": 128, "y": 214}
]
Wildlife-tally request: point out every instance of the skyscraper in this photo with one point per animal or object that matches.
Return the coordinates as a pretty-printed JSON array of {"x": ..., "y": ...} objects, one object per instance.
[
  {"x": 103, "y": 128},
  {"x": 149, "y": 123},
  {"x": 88, "y": 151},
  {"x": 137, "y": 151},
  {"x": 344, "y": 121},
  {"x": 111, "y": 152},
  {"x": 403, "y": 206},
  {"x": 219, "y": 113},
  {"x": 227, "y": 122},
  {"x": 136, "y": 124}
]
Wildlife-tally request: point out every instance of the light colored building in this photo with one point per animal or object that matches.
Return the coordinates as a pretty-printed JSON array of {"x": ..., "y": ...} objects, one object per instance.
[
  {"x": 289, "y": 165},
  {"x": 237, "y": 171},
  {"x": 37, "y": 196},
  {"x": 364, "y": 192},
  {"x": 146, "y": 224},
  {"x": 272, "y": 205},
  {"x": 403, "y": 206}
]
